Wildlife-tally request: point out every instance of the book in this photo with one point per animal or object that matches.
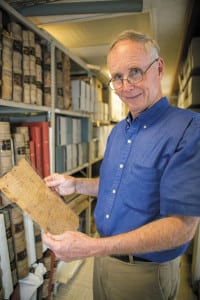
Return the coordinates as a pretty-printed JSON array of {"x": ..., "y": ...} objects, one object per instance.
[
  {"x": 36, "y": 137},
  {"x": 32, "y": 154},
  {"x": 26, "y": 188},
  {"x": 49, "y": 261},
  {"x": 38, "y": 242},
  {"x": 60, "y": 159},
  {"x": 5, "y": 211},
  {"x": 39, "y": 132},
  {"x": 5, "y": 261},
  {"x": 30, "y": 239},
  {"x": 18, "y": 232},
  {"x": 45, "y": 148}
]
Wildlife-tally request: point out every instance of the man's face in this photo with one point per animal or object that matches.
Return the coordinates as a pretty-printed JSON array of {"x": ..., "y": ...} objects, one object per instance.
[{"x": 125, "y": 56}]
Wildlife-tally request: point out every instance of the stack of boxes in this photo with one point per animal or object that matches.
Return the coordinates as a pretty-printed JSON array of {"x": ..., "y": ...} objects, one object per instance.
[
  {"x": 88, "y": 97},
  {"x": 100, "y": 107},
  {"x": 72, "y": 138}
]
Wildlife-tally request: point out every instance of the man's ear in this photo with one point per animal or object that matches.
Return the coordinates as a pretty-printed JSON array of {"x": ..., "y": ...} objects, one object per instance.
[{"x": 160, "y": 67}]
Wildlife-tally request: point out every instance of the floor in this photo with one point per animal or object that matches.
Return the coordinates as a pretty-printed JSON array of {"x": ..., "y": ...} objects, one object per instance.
[
  {"x": 79, "y": 286},
  {"x": 185, "y": 291}
]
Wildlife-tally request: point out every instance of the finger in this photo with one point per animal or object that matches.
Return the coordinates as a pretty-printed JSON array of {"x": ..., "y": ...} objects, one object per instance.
[
  {"x": 52, "y": 178},
  {"x": 48, "y": 178},
  {"x": 58, "y": 237},
  {"x": 53, "y": 237},
  {"x": 46, "y": 240},
  {"x": 52, "y": 183}
]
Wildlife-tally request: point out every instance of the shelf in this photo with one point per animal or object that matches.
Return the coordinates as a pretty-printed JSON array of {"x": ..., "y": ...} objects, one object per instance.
[
  {"x": 94, "y": 161},
  {"x": 18, "y": 112},
  {"x": 75, "y": 170},
  {"x": 80, "y": 207},
  {"x": 11, "y": 107},
  {"x": 100, "y": 123},
  {"x": 71, "y": 113}
]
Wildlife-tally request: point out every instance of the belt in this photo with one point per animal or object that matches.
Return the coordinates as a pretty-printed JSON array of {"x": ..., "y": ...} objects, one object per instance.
[{"x": 130, "y": 258}]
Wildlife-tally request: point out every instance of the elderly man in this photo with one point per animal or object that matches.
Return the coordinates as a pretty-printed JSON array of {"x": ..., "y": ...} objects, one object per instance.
[{"x": 148, "y": 204}]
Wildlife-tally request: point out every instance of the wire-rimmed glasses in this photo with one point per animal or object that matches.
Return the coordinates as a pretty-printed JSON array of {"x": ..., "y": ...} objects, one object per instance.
[{"x": 135, "y": 75}]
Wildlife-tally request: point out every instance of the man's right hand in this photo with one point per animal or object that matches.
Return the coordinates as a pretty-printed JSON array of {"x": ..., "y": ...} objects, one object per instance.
[{"x": 62, "y": 184}]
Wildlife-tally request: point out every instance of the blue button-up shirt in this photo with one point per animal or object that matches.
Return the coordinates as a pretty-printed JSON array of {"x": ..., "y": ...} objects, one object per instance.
[{"x": 150, "y": 170}]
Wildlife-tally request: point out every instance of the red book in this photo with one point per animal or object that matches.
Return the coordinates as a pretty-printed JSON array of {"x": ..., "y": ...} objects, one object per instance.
[
  {"x": 16, "y": 293},
  {"x": 32, "y": 154},
  {"x": 44, "y": 141},
  {"x": 45, "y": 148},
  {"x": 36, "y": 136}
]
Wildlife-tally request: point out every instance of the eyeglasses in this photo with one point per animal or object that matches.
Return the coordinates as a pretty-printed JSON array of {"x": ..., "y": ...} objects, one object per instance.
[{"x": 135, "y": 75}]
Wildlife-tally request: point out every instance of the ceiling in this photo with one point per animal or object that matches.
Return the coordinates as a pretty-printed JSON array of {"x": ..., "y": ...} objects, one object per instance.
[{"x": 89, "y": 35}]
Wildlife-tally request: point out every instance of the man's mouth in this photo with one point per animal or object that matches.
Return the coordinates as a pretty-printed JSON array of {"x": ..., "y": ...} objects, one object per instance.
[{"x": 133, "y": 96}]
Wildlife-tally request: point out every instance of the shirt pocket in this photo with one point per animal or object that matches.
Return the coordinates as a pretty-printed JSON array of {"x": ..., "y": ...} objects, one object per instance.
[{"x": 142, "y": 189}]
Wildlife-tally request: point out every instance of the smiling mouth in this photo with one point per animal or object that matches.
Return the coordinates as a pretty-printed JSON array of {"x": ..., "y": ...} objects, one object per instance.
[{"x": 133, "y": 97}]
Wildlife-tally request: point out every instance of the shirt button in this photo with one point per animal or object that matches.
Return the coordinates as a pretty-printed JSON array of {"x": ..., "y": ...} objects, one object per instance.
[
  {"x": 113, "y": 191},
  {"x": 107, "y": 216},
  {"x": 145, "y": 126},
  {"x": 129, "y": 141},
  {"x": 121, "y": 166}
]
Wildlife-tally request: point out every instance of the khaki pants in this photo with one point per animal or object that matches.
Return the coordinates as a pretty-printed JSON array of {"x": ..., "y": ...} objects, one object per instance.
[{"x": 117, "y": 280}]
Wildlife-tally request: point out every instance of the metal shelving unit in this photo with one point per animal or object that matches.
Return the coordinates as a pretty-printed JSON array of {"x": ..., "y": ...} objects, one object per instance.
[{"x": 11, "y": 110}]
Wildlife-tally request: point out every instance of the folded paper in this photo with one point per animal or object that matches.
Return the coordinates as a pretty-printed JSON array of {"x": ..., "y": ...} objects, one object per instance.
[{"x": 25, "y": 187}]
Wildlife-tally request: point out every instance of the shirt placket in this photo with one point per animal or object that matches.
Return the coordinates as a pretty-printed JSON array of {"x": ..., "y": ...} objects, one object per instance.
[{"x": 130, "y": 134}]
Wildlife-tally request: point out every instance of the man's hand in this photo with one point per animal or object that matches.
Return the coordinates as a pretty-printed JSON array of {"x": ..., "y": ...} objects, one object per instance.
[
  {"x": 69, "y": 246},
  {"x": 62, "y": 184}
]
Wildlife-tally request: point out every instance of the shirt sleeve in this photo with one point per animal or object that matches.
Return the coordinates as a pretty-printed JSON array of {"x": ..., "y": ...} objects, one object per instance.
[{"x": 180, "y": 183}]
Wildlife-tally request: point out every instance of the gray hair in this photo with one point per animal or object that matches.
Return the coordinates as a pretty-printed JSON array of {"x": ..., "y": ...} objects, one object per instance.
[{"x": 150, "y": 44}]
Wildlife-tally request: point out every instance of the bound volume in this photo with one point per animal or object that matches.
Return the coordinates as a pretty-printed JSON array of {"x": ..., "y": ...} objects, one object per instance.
[{"x": 25, "y": 187}]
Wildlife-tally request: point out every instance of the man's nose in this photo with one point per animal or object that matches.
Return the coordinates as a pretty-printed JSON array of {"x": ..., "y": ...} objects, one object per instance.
[{"x": 126, "y": 84}]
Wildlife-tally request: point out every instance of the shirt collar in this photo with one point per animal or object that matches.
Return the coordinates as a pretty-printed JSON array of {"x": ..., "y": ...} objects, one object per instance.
[{"x": 150, "y": 115}]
